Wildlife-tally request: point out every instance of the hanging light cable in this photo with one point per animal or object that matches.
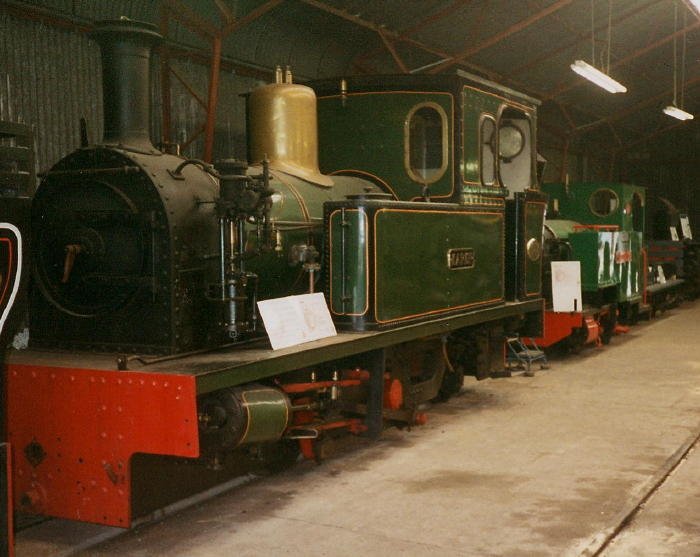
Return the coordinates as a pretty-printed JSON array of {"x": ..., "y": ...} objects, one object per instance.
[
  {"x": 673, "y": 110},
  {"x": 590, "y": 72}
]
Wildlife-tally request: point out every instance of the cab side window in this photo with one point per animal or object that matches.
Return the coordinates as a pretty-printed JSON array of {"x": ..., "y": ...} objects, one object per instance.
[
  {"x": 515, "y": 149},
  {"x": 487, "y": 160},
  {"x": 426, "y": 143}
]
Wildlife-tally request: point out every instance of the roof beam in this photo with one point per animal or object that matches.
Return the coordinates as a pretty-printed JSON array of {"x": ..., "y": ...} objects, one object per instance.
[
  {"x": 523, "y": 24},
  {"x": 191, "y": 19},
  {"x": 357, "y": 20},
  {"x": 225, "y": 11},
  {"x": 392, "y": 51},
  {"x": 394, "y": 35},
  {"x": 692, "y": 9},
  {"x": 251, "y": 16},
  {"x": 580, "y": 38},
  {"x": 563, "y": 87},
  {"x": 422, "y": 24},
  {"x": 652, "y": 135},
  {"x": 637, "y": 107},
  {"x": 437, "y": 16}
]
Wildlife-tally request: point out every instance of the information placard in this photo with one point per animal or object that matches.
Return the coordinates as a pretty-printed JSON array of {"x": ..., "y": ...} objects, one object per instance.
[
  {"x": 566, "y": 286},
  {"x": 685, "y": 227},
  {"x": 296, "y": 319}
]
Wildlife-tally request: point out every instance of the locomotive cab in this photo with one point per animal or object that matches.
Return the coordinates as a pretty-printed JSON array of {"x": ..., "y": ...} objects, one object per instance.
[{"x": 456, "y": 139}]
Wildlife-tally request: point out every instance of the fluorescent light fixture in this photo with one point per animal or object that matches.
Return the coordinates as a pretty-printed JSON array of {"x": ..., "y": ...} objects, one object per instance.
[
  {"x": 676, "y": 112},
  {"x": 599, "y": 78}
]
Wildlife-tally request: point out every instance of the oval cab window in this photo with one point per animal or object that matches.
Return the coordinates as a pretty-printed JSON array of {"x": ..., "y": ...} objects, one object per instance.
[
  {"x": 604, "y": 202},
  {"x": 426, "y": 143}
]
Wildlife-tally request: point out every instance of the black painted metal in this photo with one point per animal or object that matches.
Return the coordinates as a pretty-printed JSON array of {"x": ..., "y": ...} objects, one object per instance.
[
  {"x": 17, "y": 163},
  {"x": 146, "y": 241},
  {"x": 6, "y": 544},
  {"x": 375, "y": 362},
  {"x": 126, "y": 54},
  {"x": 236, "y": 366}
]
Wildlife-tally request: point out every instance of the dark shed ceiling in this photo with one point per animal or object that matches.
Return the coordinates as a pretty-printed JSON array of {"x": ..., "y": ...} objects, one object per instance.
[{"x": 525, "y": 44}]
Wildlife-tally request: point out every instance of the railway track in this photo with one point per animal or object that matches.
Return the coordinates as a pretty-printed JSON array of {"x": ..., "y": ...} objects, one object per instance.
[{"x": 637, "y": 503}]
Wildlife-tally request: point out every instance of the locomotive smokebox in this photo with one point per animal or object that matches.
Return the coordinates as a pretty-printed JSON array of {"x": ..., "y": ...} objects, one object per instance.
[
  {"x": 123, "y": 235},
  {"x": 126, "y": 53}
]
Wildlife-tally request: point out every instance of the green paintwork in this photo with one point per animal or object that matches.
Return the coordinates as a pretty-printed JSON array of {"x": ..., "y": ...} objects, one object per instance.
[
  {"x": 475, "y": 104},
  {"x": 268, "y": 413},
  {"x": 278, "y": 275},
  {"x": 412, "y": 247},
  {"x": 594, "y": 249},
  {"x": 562, "y": 228},
  {"x": 628, "y": 216},
  {"x": 356, "y": 253},
  {"x": 240, "y": 365},
  {"x": 630, "y": 271},
  {"x": 574, "y": 203},
  {"x": 366, "y": 132},
  {"x": 534, "y": 219}
]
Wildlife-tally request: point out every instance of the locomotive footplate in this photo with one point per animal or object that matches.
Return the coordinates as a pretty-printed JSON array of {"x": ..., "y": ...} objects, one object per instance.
[{"x": 75, "y": 421}]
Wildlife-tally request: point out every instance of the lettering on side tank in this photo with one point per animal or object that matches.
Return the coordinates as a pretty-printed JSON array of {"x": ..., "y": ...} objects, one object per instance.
[{"x": 460, "y": 258}]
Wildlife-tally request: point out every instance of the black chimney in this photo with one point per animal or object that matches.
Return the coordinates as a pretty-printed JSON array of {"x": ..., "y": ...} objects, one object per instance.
[{"x": 126, "y": 87}]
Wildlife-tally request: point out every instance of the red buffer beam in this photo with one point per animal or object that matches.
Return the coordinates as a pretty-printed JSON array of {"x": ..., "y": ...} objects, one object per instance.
[{"x": 73, "y": 459}]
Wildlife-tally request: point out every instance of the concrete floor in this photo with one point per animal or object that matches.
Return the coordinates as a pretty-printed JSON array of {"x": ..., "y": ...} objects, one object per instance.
[{"x": 546, "y": 465}]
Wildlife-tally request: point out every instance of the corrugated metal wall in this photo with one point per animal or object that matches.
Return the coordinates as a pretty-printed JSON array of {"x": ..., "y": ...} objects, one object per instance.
[
  {"x": 187, "y": 114},
  {"x": 49, "y": 79}
]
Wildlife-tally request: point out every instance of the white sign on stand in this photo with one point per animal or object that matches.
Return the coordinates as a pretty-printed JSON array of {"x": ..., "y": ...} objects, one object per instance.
[
  {"x": 296, "y": 319},
  {"x": 660, "y": 273},
  {"x": 685, "y": 227},
  {"x": 566, "y": 286}
]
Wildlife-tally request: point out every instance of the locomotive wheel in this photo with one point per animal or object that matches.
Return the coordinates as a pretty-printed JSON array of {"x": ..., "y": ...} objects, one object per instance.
[
  {"x": 577, "y": 340},
  {"x": 279, "y": 456}
]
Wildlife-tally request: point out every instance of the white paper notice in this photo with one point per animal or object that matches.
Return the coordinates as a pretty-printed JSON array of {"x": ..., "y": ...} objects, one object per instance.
[
  {"x": 296, "y": 319},
  {"x": 660, "y": 273},
  {"x": 566, "y": 286},
  {"x": 685, "y": 227},
  {"x": 674, "y": 233}
]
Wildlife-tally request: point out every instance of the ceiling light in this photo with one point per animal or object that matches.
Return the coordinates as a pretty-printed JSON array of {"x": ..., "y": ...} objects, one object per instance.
[
  {"x": 676, "y": 112},
  {"x": 590, "y": 72},
  {"x": 599, "y": 78},
  {"x": 672, "y": 109}
]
